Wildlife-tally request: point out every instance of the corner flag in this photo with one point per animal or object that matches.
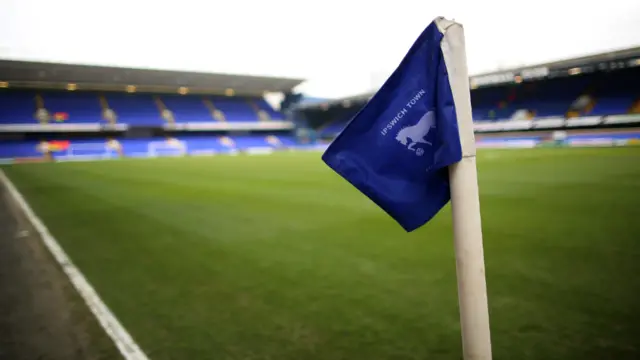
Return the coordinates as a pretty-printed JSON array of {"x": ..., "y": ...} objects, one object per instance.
[
  {"x": 396, "y": 150},
  {"x": 411, "y": 149}
]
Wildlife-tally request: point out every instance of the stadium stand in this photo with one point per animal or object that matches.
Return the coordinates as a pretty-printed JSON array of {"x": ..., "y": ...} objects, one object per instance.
[
  {"x": 333, "y": 127},
  {"x": 188, "y": 108},
  {"x": 616, "y": 93},
  {"x": 539, "y": 99},
  {"x": 72, "y": 107},
  {"x": 71, "y": 120},
  {"x": 612, "y": 93},
  {"x": 134, "y": 109},
  {"x": 235, "y": 109},
  {"x": 184, "y": 144},
  {"x": 597, "y": 92},
  {"x": 47, "y": 112},
  {"x": 19, "y": 149},
  {"x": 271, "y": 112}
]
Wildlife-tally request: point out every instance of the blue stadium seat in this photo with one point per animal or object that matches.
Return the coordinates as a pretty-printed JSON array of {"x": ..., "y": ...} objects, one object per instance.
[
  {"x": 81, "y": 107},
  {"x": 198, "y": 143},
  {"x": 19, "y": 149},
  {"x": 243, "y": 142},
  {"x": 485, "y": 104},
  {"x": 615, "y": 94},
  {"x": 480, "y": 114},
  {"x": 135, "y": 109},
  {"x": 549, "y": 107},
  {"x": 136, "y": 147},
  {"x": 235, "y": 108},
  {"x": 612, "y": 105},
  {"x": 288, "y": 141},
  {"x": 17, "y": 107},
  {"x": 333, "y": 128},
  {"x": 549, "y": 98},
  {"x": 187, "y": 108},
  {"x": 202, "y": 143}
]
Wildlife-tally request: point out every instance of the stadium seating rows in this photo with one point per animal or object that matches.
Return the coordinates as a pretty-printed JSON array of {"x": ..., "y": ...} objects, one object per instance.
[
  {"x": 576, "y": 96},
  {"x": 144, "y": 147},
  {"x": 20, "y": 107},
  {"x": 200, "y": 145},
  {"x": 582, "y": 95}
]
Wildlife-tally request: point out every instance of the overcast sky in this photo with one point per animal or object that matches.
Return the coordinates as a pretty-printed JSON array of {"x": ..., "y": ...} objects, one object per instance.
[{"x": 343, "y": 47}]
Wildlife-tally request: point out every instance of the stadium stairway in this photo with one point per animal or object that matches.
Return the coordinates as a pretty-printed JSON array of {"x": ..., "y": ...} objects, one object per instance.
[
  {"x": 108, "y": 114},
  {"x": 582, "y": 105},
  {"x": 264, "y": 105},
  {"x": 273, "y": 141},
  {"x": 165, "y": 112},
  {"x": 43, "y": 117},
  {"x": 227, "y": 143},
  {"x": 217, "y": 115},
  {"x": 288, "y": 141},
  {"x": 281, "y": 141},
  {"x": 262, "y": 115},
  {"x": 104, "y": 104}
]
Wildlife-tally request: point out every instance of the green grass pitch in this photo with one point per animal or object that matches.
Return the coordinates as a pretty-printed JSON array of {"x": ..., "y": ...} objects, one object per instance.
[{"x": 276, "y": 257}]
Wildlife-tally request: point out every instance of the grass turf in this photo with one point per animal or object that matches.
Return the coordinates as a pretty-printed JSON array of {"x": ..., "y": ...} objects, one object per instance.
[{"x": 278, "y": 258}]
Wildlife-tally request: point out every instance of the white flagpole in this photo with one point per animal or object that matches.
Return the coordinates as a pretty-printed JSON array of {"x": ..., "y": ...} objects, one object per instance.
[{"x": 465, "y": 204}]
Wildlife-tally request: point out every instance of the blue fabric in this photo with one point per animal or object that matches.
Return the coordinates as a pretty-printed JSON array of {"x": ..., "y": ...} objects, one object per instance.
[{"x": 396, "y": 150}]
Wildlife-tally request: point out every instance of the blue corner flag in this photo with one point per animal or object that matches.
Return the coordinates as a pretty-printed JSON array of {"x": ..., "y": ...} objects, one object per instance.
[{"x": 396, "y": 150}]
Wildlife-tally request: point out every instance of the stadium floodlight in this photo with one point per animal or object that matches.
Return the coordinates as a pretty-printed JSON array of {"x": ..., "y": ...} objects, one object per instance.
[
  {"x": 183, "y": 90},
  {"x": 4, "y": 84},
  {"x": 72, "y": 86},
  {"x": 130, "y": 88},
  {"x": 229, "y": 92}
]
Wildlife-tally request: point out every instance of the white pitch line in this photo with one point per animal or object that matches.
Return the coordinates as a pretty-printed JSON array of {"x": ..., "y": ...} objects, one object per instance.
[{"x": 125, "y": 343}]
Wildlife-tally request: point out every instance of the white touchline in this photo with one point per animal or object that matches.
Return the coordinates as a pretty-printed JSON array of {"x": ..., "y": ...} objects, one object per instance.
[{"x": 125, "y": 343}]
